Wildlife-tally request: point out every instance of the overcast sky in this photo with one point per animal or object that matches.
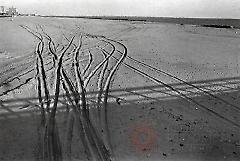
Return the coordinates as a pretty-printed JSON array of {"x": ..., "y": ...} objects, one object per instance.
[{"x": 173, "y": 8}]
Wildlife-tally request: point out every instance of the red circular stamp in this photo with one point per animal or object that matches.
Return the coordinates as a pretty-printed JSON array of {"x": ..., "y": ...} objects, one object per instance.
[{"x": 142, "y": 136}]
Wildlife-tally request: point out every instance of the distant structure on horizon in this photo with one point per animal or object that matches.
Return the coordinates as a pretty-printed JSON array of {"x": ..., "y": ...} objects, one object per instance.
[
  {"x": 2, "y": 10},
  {"x": 12, "y": 11}
]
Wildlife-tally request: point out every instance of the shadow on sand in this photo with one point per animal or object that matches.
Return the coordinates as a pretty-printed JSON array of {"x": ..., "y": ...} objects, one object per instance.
[{"x": 146, "y": 123}]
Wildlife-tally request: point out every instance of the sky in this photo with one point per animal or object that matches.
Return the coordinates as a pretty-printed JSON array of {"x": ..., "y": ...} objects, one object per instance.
[{"x": 160, "y": 8}]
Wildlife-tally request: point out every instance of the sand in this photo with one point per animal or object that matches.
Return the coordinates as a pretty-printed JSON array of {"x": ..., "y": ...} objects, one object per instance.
[{"x": 148, "y": 121}]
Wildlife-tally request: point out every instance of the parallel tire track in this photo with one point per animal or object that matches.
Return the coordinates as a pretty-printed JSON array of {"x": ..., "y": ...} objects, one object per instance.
[
  {"x": 191, "y": 85},
  {"x": 181, "y": 94}
]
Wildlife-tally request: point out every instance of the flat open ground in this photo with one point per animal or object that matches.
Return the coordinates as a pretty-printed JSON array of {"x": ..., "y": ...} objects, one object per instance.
[{"x": 175, "y": 96}]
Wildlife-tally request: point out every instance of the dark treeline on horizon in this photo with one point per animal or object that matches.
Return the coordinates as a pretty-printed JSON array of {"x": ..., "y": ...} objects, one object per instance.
[{"x": 206, "y": 22}]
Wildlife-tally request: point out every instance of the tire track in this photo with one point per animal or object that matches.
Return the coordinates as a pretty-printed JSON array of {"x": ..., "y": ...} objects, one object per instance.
[
  {"x": 189, "y": 84},
  {"x": 106, "y": 92},
  {"x": 93, "y": 72},
  {"x": 90, "y": 59},
  {"x": 179, "y": 93},
  {"x": 100, "y": 88}
]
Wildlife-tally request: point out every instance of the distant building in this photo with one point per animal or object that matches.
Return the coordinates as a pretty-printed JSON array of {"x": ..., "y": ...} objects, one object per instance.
[
  {"x": 12, "y": 11},
  {"x": 2, "y": 10}
]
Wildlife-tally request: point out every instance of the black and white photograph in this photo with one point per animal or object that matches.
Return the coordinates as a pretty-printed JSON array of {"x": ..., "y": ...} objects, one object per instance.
[{"x": 119, "y": 80}]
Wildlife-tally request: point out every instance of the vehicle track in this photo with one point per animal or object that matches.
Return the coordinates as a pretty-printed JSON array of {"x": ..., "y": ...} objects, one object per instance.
[
  {"x": 189, "y": 84},
  {"x": 183, "y": 95},
  {"x": 179, "y": 93},
  {"x": 23, "y": 74}
]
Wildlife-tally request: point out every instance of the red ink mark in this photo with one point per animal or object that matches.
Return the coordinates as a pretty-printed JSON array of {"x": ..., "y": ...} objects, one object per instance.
[{"x": 142, "y": 136}]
